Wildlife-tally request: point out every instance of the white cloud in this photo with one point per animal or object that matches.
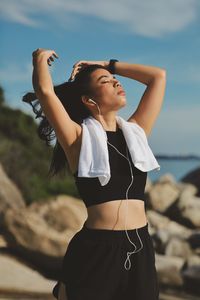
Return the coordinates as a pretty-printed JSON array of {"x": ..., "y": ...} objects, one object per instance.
[
  {"x": 18, "y": 12},
  {"x": 153, "y": 18}
]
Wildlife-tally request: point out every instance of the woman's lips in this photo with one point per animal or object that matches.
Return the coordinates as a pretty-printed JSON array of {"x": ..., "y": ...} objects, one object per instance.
[{"x": 121, "y": 93}]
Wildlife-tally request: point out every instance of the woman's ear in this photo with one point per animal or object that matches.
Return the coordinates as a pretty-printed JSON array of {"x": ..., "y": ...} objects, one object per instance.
[{"x": 86, "y": 99}]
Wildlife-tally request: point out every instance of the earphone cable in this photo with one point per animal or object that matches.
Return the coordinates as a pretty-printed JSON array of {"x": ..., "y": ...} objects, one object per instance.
[
  {"x": 132, "y": 177},
  {"x": 141, "y": 244}
]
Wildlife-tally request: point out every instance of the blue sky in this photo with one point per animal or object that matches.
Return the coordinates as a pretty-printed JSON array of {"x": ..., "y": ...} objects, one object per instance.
[{"x": 157, "y": 32}]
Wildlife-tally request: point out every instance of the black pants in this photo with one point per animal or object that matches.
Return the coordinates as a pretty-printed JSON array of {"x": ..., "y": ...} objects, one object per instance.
[{"x": 93, "y": 266}]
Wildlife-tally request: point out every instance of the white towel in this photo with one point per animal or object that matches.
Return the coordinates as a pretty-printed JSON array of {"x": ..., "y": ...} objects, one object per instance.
[{"x": 94, "y": 156}]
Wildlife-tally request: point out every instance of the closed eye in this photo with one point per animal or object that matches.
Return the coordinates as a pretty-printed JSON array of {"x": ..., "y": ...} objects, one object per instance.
[{"x": 106, "y": 81}]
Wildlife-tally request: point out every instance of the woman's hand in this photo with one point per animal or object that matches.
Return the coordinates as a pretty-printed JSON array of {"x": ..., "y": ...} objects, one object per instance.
[
  {"x": 41, "y": 78},
  {"x": 45, "y": 54},
  {"x": 83, "y": 63}
]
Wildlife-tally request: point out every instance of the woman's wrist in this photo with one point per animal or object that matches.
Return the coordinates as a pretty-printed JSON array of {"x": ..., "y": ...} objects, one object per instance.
[
  {"x": 110, "y": 65},
  {"x": 42, "y": 77},
  {"x": 39, "y": 59}
]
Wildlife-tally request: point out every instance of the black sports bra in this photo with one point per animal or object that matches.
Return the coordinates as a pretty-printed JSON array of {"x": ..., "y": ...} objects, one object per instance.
[{"x": 92, "y": 192}]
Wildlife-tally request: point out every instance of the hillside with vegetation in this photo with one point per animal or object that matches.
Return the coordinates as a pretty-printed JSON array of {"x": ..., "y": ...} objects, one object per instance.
[{"x": 26, "y": 158}]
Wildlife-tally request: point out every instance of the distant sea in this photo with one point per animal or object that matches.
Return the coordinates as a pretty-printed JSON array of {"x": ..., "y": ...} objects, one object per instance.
[{"x": 177, "y": 167}]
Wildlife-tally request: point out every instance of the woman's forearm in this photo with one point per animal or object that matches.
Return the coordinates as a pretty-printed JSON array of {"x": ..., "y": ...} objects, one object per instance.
[
  {"x": 142, "y": 73},
  {"x": 41, "y": 78}
]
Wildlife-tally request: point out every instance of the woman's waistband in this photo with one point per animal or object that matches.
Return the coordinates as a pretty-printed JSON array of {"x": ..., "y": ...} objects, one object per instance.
[{"x": 111, "y": 235}]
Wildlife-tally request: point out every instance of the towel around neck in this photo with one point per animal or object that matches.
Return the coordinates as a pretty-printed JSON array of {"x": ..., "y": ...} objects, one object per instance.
[{"x": 94, "y": 157}]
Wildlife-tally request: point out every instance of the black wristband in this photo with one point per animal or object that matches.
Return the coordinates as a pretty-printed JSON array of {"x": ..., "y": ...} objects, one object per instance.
[{"x": 111, "y": 66}]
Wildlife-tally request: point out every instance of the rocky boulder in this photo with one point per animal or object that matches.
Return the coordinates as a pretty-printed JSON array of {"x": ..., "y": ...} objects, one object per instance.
[
  {"x": 193, "y": 178},
  {"x": 10, "y": 195},
  {"x": 17, "y": 278},
  {"x": 169, "y": 270},
  {"x": 41, "y": 232},
  {"x": 163, "y": 193}
]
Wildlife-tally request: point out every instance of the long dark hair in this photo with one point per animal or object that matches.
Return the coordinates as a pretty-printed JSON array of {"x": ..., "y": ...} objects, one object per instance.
[{"x": 69, "y": 93}]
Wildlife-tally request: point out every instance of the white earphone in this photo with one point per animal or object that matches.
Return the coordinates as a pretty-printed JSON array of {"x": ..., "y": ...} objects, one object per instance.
[
  {"x": 90, "y": 100},
  {"x": 127, "y": 264}
]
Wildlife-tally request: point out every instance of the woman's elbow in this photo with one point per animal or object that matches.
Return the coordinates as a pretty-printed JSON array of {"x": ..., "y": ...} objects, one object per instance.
[{"x": 163, "y": 73}]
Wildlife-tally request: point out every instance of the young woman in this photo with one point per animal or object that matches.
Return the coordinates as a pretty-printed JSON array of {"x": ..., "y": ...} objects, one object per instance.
[{"x": 95, "y": 263}]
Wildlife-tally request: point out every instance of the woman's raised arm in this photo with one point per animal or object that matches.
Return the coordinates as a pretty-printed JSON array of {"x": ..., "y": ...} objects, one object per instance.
[
  {"x": 152, "y": 99},
  {"x": 65, "y": 128}
]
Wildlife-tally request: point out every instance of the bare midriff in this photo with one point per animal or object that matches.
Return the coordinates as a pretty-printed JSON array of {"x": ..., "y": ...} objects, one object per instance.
[{"x": 111, "y": 215}]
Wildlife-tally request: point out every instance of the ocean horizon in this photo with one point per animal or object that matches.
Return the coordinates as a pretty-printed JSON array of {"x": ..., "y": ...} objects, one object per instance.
[{"x": 176, "y": 167}]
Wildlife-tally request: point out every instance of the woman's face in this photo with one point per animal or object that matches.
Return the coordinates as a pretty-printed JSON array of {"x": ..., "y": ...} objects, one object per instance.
[{"x": 107, "y": 91}]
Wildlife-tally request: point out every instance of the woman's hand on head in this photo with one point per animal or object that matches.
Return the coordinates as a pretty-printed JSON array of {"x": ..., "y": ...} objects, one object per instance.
[
  {"x": 45, "y": 54},
  {"x": 79, "y": 65}
]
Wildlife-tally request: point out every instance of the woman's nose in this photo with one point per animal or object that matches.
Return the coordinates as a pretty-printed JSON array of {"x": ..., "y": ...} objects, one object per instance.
[{"x": 118, "y": 83}]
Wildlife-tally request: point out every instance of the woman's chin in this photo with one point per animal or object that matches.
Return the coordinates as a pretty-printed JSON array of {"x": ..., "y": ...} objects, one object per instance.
[{"x": 123, "y": 100}]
